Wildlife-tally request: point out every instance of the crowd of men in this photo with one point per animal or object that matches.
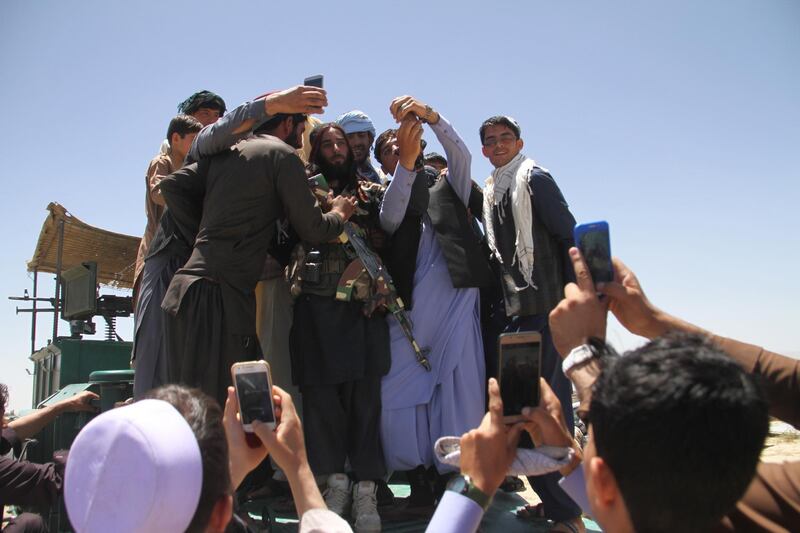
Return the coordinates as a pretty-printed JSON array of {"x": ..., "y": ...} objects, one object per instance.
[
  {"x": 252, "y": 213},
  {"x": 263, "y": 225}
]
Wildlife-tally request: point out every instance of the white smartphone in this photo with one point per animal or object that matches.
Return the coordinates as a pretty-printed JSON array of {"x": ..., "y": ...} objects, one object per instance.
[{"x": 253, "y": 382}]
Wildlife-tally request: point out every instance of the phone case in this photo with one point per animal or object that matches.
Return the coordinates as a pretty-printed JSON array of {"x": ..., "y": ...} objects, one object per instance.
[{"x": 594, "y": 242}]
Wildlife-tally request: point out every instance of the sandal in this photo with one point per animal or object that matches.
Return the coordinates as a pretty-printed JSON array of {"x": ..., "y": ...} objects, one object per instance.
[
  {"x": 565, "y": 527},
  {"x": 512, "y": 484},
  {"x": 531, "y": 512}
]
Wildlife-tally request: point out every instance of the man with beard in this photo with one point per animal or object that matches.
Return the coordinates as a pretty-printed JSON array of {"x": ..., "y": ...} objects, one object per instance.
[
  {"x": 172, "y": 243},
  {"x": 211, "y": 300},
  {"x": 438, "y": 266},
  {"x": 360, "y": 134},
  {"x": 340, "y": 349}
]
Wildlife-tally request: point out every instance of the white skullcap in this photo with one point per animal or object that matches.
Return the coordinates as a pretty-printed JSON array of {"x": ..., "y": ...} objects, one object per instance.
[{"x": 134, "y": 469}]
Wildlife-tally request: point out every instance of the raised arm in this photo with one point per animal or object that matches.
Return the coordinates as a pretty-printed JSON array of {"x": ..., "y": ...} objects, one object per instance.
[
  {"x": 459, "y": 158},
  {"x": 29, "y": 425},
  {"x": 398, "y": 194},
  {"x": 780, "y": 375},
  {"x": 228, "y": 130},
  {"x": 240, "y": 123}
]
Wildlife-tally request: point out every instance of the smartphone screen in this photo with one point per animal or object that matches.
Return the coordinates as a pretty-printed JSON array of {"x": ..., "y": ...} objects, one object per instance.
[
  {"x": 593, "y": 241},
  {"x": 254, "y": 397},
  {"x": 314, "y": 81},
  {"x": 519, "y": 371}
]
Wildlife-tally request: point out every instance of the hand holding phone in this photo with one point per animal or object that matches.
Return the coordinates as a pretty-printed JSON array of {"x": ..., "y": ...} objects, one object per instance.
[
  {"x": 253, "y": 383},
  {"x": 592, "y": 239}
]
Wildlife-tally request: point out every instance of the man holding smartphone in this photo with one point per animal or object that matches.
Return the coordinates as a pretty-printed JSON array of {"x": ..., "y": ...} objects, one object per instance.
[
  {"x": 529, "y": 233},
  {"x": 246, "y": 190}
]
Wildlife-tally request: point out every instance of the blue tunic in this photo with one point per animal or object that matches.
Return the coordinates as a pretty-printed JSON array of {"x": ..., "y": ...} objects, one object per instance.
[{"x": 420, "y": 406}]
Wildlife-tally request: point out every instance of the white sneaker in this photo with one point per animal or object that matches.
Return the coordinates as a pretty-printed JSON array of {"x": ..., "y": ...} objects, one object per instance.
[
  {"x": 337, "y": 495},
  {"x": 365, "y": 507}
]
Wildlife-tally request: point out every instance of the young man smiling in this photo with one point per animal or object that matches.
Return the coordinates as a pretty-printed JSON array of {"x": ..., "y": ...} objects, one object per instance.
[{"x": 529, "y": 233}]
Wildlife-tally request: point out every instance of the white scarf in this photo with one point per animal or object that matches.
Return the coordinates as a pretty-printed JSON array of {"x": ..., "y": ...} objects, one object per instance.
[{"x": 514, "y": 177}]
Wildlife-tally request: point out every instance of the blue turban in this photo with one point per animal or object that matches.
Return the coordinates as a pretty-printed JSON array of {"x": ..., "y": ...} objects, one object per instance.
[{"x": 355, "y": 121}]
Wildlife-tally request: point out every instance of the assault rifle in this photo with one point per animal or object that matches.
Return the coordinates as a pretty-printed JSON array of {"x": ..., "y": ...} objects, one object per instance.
[
  {"x": 368, "y": 261},
  {"x": 387, "y": 294}
]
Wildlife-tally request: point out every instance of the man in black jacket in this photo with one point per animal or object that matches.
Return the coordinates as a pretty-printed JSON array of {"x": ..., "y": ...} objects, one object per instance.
[
  {"x": 211, "y": 300},
  {"x": 529, "y": 233}
]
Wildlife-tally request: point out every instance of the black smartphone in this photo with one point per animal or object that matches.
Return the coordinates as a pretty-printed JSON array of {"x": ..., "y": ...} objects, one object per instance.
[
  {"x": 593, "y": 241},
  {"x": 313, "y": 81},
  {"x": 519, "y": 369}
]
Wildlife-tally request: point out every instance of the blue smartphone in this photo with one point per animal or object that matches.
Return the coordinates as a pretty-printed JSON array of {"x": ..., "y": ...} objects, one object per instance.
[{"x": 593, "y": 241}]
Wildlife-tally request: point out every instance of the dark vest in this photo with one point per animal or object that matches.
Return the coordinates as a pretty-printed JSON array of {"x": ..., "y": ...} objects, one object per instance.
[{"x": 466, "y": 262}]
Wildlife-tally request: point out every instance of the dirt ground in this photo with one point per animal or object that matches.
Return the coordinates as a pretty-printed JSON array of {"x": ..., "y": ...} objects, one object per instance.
[{"x": 783, "y": 443}]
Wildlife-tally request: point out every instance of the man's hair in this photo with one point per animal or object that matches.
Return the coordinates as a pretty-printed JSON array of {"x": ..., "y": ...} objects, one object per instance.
[
  {"x": 316, "y": 141},
  {"x": 183, "y": 124},
  {"x": 433, "y": 157},
  {"x": 681, "y": 426},
  {"x": 3, "y": 397},
  {"x": 500, "y": 120},
  {"x": 202, "y": 99},
  {"x": 204, "y": 416},
  {"x": 382, "y": 139},
  {"x": 269, "y": 125}
]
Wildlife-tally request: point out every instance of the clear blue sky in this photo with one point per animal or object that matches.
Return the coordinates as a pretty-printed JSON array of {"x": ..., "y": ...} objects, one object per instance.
[{"x": 678, "y": 122}]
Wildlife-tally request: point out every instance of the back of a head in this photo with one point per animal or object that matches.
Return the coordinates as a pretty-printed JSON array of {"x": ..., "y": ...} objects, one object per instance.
[
  {"x": 681, "y": 426},
  {"x": 145, "y": 466},
  {"x": 202, "y": 99},
  {"x": 204, "y": 417}
]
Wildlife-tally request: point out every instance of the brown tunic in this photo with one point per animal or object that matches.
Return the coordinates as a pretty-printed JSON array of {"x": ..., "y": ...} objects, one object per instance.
[
  {"x": 159, "y": 167},
  {"x": 772, "y": 501}
]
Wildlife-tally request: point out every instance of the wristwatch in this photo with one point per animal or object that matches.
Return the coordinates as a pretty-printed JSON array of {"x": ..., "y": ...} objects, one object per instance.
[
  {"x": 463, "y": 485},
  {"x": 577, "y": 356}
]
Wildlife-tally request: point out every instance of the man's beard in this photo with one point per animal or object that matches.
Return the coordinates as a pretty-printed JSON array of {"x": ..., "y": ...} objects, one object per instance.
[
  {"x": 362, "y": 157},
  {"x": 337, "y": 172},
  {"x": 295, "y": 140}
]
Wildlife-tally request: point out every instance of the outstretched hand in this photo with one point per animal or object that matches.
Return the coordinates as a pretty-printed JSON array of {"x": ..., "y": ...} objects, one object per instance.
[
  {"x": 488, "y": 451},
  {"x": 81, "y": 402},
  {"x": 581, "y": 314},
  {"x": 344, "y": 206},
  {"x": 630, "y": 305},
  {"x": 243, "y": 456},
  {"x": 286, "y": 443},
  {"x": 403, "y": 105},
  {"x": 299, "y": 99}
]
